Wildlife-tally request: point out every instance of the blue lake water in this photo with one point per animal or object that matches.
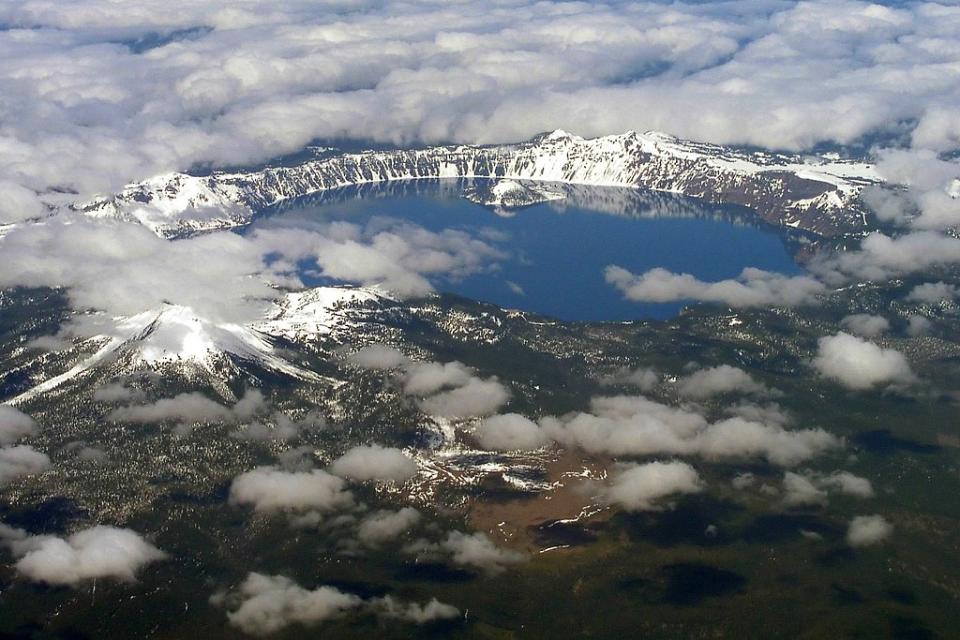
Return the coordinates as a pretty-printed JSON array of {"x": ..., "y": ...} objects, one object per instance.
[{"x": 557, "y": 251}]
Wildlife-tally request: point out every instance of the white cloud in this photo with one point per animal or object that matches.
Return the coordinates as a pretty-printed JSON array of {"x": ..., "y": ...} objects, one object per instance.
[
  {"x": 384, "y": 526},
  {"x": 881, "y": 257},
  {"x": 753, "y": 288},
  {"x": 510, "y": 432},
  {"x": 475, "y": 398},
  {"x": 866, "y": 325},
  {"x": 722, "y": 379},
  {"x": 264, "y": 605},
  {"x": 116, "y": 392},
  {"x": 478, "y": 551},
  {"x": 634, "y": 425},
  {"x": 850, "y": 484},
  {"x": 423, "y": 378},
  {"x": 21, "y": 460},
  {"x": 271, "y": 603},
  {"x": 865, "y": 531},
  {"x": 415, "y": 612},
  {"x": 191, "y": 407},
  {"x": 933, "y": 292},
  {"x": 377, "y": 356},
  {"x": 860, "y": 365},
  {"x": 813, "y": 488},
  {"x": 645, "y": 379},
  {"x": 14, "y": 424},
  {"x": 97, "y": 552},
  {"x": 643, "y": 487},
  {"x": 270, "y": 489},
  {"x": 373, "y": 462},
  {"x": 85, "y": 111},
  {"x": 800, "y": 491}
]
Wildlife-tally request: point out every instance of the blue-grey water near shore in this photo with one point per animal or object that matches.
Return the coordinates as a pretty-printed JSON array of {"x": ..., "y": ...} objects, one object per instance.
[{"x": 557, "y": 251}]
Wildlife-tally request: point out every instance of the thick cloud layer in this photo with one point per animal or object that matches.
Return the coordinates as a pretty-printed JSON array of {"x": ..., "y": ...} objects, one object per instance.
[
  {"x": 99, "y": 92},
  {"x": 753, "y": 288},
  {"x": 97, "y": 552},
  {"x": 124, "y": 269},
  {"x": 859, "y": 364}
]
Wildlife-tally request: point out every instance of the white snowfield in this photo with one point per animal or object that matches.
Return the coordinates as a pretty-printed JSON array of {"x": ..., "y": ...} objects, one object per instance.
[
  {"x": 815, "y": 193},
  {"x": 176, "y": 335}
]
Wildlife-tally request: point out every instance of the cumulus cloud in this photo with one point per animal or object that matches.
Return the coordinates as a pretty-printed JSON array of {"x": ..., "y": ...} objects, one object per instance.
[
  {"x": 634, "y": 425},
  {"x": 805, "y": 489},
  {"x": 415, "y": 612},
  {"x": 191, "y": 407},
  {"x": 881, "y": 257},
  {"x": 848, "y": 483},
  {"x": 97, "y": 552},
  {"x": 933, "y": 292},
  {"x": 753, "y": 288},
  {"x": 270, "y": 489},
  {"x": 510, "y": 432},
  {"x": 722, "y": 379},
  {"x": 643, "y": 378},
  {"x": 14, "y": 424},
  {"x": 643, "y": 487},
  {"x": 373, "y": 462},
  {"x": 476, "y": 398},
  {"x": 865, "y": 531},
  {"x": 271, "y": 603},
  {"x": 377, "y": 356},
  {"x": 263, "y": 605},
  {"x": 422, "y": 378},
  {"x": 478, "y": 551},
  {"x": 280, "y": 427},
  {"x": 866, "y": 325},
  {"x": 800, "y": 491},
  {"x": 383, "y": 526},
  {"x": 21, "y": 460},
  {"x": 860, "y": 365}
]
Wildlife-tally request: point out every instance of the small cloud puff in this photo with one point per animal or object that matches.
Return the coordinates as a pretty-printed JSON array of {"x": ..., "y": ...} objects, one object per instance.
[
  {"x": 860, "y": 365},
  {"x": 865, "y": 531},
  {"x": 643, "y": 487},
  {"x": 373, "y": 462},
  {"x": 270, "y": 489}
]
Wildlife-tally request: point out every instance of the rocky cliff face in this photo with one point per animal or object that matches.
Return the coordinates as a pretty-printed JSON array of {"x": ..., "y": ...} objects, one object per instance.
[{"x": 820, "y": 195}]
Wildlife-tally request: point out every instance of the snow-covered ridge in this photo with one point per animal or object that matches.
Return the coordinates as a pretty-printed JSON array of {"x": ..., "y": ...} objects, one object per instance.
[{"x": 818, "y": 194}]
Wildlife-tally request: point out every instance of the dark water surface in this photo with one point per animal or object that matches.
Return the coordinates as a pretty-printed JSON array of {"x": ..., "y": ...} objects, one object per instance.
[{"x": 557, "y": 251}]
